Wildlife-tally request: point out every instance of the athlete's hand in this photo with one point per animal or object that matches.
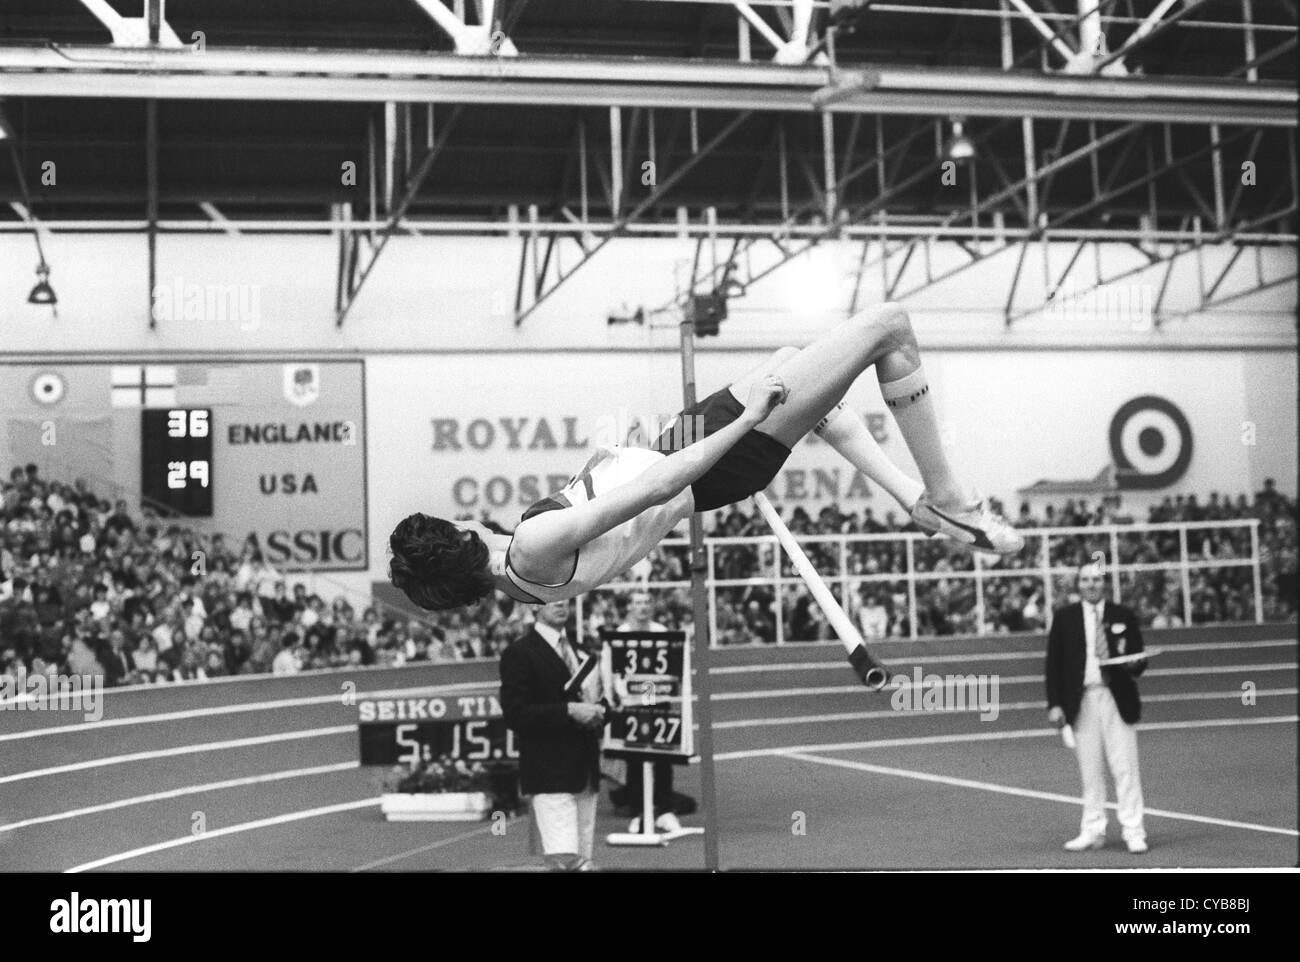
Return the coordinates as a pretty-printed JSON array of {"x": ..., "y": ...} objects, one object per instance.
[
  {"x": 764, "y": 396},
  {"x": 1056, "y": 717}
]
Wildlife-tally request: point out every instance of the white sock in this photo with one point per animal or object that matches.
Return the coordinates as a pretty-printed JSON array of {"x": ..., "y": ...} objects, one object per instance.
[
  {"x": 844, "y": 431},
  {"x": 912, "y": 404}
]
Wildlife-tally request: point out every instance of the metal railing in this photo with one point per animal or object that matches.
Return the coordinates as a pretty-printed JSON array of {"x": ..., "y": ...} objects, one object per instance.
[{"x": 1050, "y": 560}]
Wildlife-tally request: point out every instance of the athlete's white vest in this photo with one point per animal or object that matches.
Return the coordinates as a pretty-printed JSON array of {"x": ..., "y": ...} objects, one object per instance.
[{"x": 604, "y": 558}]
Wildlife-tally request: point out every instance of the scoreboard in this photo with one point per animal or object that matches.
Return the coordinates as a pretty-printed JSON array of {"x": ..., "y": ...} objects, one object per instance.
[
  {"x": 176, "y": 460},
  {"x": 269, "y": 454},
  {"x": 465, "y": 727},
  {"x": 649, "y": 674}
]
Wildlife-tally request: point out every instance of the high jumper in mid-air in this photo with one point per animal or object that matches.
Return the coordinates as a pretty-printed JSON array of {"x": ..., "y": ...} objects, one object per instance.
[{"x": 614, "y": 511}]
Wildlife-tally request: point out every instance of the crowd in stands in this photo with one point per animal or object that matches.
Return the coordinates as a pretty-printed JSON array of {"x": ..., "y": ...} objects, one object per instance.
[
  {"x": 1218, "y": 591},
  {"x": 88, "y": 588}
]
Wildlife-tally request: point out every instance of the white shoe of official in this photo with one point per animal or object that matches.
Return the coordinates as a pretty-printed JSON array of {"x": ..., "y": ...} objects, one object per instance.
[
  {"x": 1138, "y": 846},
  {"x": 1085, "y": 841},
  {"x": 976, "y": 527}
]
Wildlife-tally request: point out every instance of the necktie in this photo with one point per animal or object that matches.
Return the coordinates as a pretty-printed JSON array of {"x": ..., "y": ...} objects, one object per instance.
[
  {"x": 567, "y": 653},
  {"x": 1098, "y": 634}
]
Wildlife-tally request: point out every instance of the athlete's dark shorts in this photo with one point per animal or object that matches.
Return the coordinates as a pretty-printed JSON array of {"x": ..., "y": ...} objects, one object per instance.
[{"x": 746, "y": 469}]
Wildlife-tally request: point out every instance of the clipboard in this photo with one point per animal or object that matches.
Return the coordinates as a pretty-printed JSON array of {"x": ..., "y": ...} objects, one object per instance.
[{"x": 1127, "y": 659}]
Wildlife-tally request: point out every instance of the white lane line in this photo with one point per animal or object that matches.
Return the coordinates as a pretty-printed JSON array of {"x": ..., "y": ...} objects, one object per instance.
[
  {"x": 180, "y": 792},
  {"x": 975, "y": 709},
  {"x": 228, "y": 830},
  {"x": 355, "y": 673},
  {"x": 442, "y": 843},
  {"x": 244, "y": 707},
  {"x": 989, "y": 737},
  {"x": 1002, "y": 680},
  {"x": 177, "y": 750},
  {"x": 1029, "y": 793},
  {"x": 305, "y": 701},
  {"x": 1035, "y": 653}
]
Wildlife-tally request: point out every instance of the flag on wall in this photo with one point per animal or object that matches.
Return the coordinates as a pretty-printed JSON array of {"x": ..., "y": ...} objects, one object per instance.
[
  {"x": 202, "y": 386},
  {"x": 143, "y": 385}
]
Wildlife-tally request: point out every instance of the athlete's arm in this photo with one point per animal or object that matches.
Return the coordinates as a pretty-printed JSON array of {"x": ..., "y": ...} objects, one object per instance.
[{"x": 549, "y": 540}]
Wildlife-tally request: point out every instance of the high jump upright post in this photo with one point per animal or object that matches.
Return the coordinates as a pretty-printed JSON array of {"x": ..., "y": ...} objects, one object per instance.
[{"x": 700, "y": 616}]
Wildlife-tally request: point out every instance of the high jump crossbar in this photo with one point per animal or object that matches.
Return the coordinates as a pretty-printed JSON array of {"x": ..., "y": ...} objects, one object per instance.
[{"x": 872, "y": 673}]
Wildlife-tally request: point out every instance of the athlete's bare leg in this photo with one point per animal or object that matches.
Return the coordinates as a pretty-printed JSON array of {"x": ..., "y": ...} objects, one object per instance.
[
  {"x": 844, "y": 431},
  {"x": 819, "y": 375},
  {"x": 817, "y": 378}
]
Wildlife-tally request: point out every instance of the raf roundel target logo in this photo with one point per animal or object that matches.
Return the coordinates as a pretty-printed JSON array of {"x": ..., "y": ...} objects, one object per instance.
[
  {"x": 48, "y": 387},
  {"x": 1150, "y": 443}
]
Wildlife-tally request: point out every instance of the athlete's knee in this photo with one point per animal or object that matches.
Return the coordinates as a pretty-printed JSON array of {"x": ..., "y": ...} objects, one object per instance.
[
  {"x": 888, "y": 327},
  {"x": 894, "y": 319}
]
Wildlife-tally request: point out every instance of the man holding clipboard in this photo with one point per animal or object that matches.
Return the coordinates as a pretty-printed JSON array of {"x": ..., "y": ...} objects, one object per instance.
[
  {"x": 551, "y": 699},
  {"x": 1094, "y": 656}
]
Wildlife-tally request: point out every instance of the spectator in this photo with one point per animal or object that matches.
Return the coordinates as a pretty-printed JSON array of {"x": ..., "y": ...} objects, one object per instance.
[
  {"x": 873, "y": 618},
  {"x": 119, "y": 663},
  {"x": 286, "y": 662},
  {"x": 80, "y": 655},
  {"x": 146, "y": 659},
  {"x": 280, "y": 607}
]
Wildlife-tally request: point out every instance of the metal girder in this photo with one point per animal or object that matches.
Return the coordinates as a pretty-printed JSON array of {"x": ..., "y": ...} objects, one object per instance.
[
  {"x": 1054, "y": 227},
  {"x": 838, "y": 227},
  {"x": 337, "y": 76},
  {"x": 1046, "y": 171},
  {"x": 1150, "y": 28},
  {"x": 1051, "y": 228},
  {"x": 1198, "y": 241},
  {"x": 482, "y": 39},
  {"x": 620, "y": 225},
  {"x": 394, "y": 221},
  {"x": 152, "y": 28},
  {"x": 1049, "y": 36},
  {"x": 765, "y": 232},
  {"x": 1267, "y": 57}
]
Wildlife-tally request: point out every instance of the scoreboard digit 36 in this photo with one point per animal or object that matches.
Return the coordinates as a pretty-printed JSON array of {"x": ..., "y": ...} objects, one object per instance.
[{"x": 176, "y": 460}]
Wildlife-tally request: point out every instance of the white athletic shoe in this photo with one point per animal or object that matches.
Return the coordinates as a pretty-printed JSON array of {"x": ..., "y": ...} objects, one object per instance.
[
  {"x": 976, "y": 527},
  {"x": 1085, "y": 841}
]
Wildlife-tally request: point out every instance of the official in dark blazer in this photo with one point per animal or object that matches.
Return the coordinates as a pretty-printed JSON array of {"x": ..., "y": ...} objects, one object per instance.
[
  {"x": 1100, "y": 703},
  {"x": 557, "y": 734}
]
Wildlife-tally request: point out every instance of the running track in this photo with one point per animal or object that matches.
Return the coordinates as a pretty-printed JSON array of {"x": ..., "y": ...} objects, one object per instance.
[{"x": 813, "y": 770}]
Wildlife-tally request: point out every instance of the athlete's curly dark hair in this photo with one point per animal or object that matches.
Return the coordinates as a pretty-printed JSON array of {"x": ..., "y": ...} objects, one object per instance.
[{"x": 437, "y": 565}]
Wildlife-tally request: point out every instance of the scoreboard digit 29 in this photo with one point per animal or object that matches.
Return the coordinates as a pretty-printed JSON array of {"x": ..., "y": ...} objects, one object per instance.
[{"x": 176, "y": 460}]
